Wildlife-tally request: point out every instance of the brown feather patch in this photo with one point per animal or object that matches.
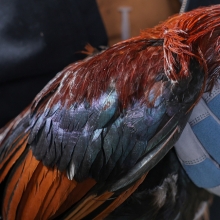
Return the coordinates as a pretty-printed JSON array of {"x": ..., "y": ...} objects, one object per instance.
[
  {"x": 17, "y": 184},
  {"x": 76, "y": 195},
  {"x": 88, "y": 205},
  {"x": 92, "y": 202},
  {"x": 56, "y": 196},
  {"x": 36, "y": 192},
  {"x": 12, "y": 157}
]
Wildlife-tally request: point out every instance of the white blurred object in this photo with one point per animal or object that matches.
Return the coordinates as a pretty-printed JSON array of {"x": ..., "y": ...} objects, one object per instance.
[
  {"x": 184, "y": 6},
  {"x": 125, "y": 23}
]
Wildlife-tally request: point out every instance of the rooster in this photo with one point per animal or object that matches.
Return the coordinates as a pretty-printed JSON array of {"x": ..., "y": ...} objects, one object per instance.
[{"x": 92, "y": 144}]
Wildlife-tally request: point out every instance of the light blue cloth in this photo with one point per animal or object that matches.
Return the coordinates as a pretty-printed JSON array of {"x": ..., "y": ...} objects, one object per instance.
[{"x": 198, "y": 148}]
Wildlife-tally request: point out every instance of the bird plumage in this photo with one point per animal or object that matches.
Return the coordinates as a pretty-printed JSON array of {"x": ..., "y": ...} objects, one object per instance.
[
  {"x": 93, "y": 133},
  {"x": 166, "y": 193}
]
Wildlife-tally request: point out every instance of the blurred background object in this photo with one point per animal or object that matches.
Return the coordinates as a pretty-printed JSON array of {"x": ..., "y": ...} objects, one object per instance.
[{"x": 143, "y": 14}]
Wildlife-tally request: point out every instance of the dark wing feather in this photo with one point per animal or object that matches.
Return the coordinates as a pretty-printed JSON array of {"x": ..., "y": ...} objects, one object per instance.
[{"x": 101, "y": 131}]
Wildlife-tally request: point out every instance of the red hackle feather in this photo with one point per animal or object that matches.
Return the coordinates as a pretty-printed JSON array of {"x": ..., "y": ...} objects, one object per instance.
[{"x": 131, "y": 65}]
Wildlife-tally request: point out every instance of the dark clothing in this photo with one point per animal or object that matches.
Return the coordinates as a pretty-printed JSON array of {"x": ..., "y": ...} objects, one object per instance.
[{"x": 37, "y": 40}]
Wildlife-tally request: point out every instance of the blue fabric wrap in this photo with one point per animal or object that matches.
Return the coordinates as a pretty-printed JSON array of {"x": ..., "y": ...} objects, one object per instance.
[
  {"x": 214, "y": 106},
  {"x": 207, "y": 174},
  {"x": 208, "y": 133},
  {"x": 204, "y": 174}
]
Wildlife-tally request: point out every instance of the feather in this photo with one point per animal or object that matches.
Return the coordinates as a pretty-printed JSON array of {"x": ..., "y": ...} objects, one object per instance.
[{"x": 17, "y": 184}]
